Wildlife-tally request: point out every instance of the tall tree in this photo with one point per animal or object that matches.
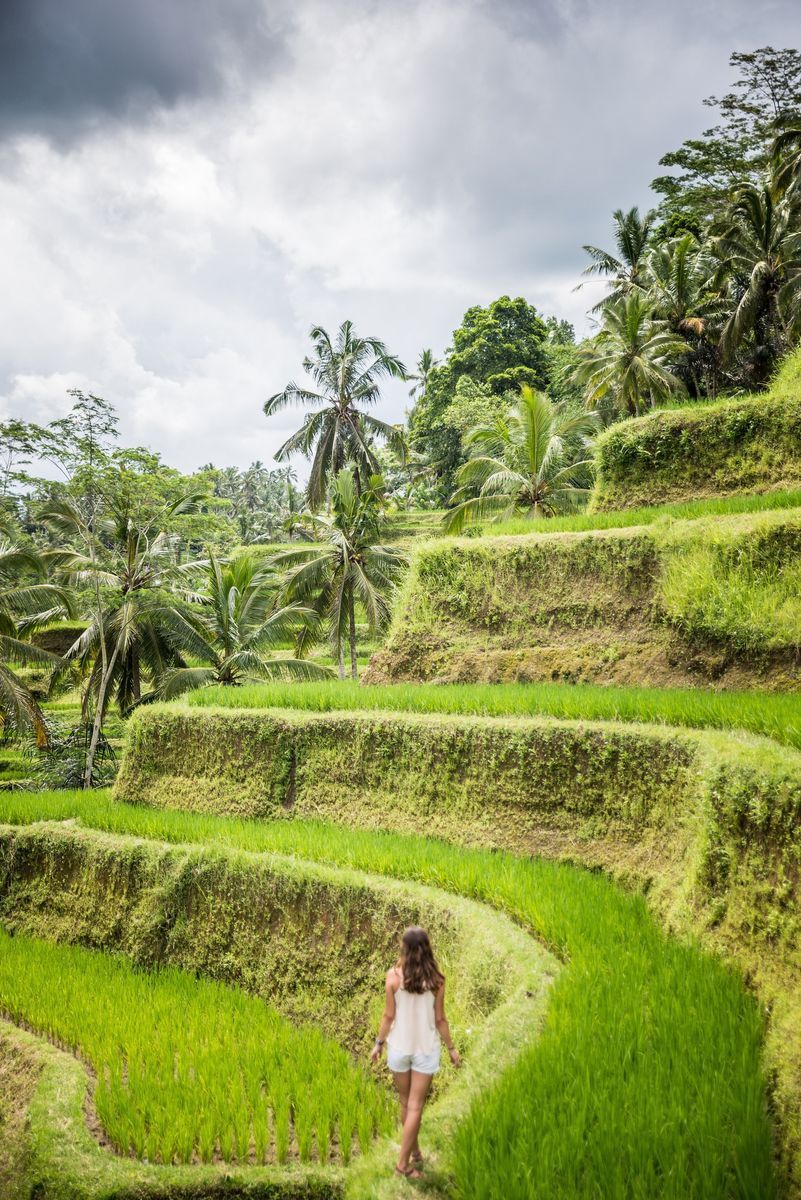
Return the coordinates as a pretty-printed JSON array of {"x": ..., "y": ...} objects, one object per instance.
[
  {"x": 347, "y": 372},
  {"x": 27, "y": 602},
  {"x": 123, "y": 564},
  {"x": 764, "y": 100},
  {"x": 419, "y": 379},
  {"x": 499, "y": 348},
  {"x": 345, "y": 566},
  {"x": 758, "y": 245},
  {"x": 533, "y": 462},
  {"x": 625, "y": 269},
  {"x": 629, "y": 365},
  {"x": 680, "y": 288}
]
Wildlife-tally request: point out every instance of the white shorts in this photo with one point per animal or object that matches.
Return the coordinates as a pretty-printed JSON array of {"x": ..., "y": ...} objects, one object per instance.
[{"x": 426, "y": 1064}]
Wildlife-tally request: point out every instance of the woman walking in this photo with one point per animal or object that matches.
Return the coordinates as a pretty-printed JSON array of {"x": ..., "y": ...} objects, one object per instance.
[{"x": 413, "y": 1022}]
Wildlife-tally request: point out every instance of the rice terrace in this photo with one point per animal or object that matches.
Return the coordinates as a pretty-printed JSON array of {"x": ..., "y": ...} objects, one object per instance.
[{"x": 422, "y": 812}]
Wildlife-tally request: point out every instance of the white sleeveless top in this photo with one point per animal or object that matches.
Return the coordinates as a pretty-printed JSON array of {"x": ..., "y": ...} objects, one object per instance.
[{"x": 414, "y": 1029}]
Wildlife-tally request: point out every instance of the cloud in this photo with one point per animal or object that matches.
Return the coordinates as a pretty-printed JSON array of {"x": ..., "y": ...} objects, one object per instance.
[
  {"x": 390, "y": 162},
  {"x": 65, "y": 65}
]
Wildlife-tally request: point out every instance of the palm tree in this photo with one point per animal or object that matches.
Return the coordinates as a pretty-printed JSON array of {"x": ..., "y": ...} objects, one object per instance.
[
  {"x": 786, "y": 162},
  {"x": 133, "y": 564},
  {"x": 425, "y": 365},
  {"x": 346, "y": 374},
  {"x": 530, "y": 463},
  {"x": 232, "y": 629},
  {"x": 679, "y": 283},
  {"x": 26, "y": 604},
  {"x": 630, "y": 362},
  {"x": 344, "y": 566},
  {"x": 758, "y": 245},
  {"x": 127, "y": 568},
  {"x": 625, "y": 269}
]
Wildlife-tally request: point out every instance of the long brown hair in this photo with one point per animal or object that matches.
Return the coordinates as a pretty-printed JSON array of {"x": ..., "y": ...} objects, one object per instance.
[{"x": 417, "y": 963}]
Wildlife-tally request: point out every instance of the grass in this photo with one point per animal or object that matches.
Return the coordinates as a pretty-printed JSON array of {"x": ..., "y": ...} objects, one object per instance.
[
  {"x": 681, "y": 510},
  {"x": 647, "y": 1079},
  {"x": 775, "y": 715},
  {"x": 190, "y": 1069}
]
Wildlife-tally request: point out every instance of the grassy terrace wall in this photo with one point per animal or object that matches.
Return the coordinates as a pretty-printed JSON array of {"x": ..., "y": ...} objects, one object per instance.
[
  {"x": 712, "y": 601},
  {"x": 707, "y": 822},
  {"x": 751, "y": 444},
  {"x": 313, "y": 940}
]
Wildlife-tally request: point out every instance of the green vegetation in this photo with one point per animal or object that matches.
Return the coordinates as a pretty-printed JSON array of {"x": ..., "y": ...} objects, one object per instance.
[
  {"x": 711, "y": 601},
  {"x": 749, "y": 444},
  {"x": 772, "y": 715},
  {"x": 609, "y": 1060},
  {"x": 313, "y": 940},
  {"x": 345, "y": 566},
  {"x": 346, "y": 372},
  {"x": 532, "y": 461},
  {"x": 188, "y": 1067},
  {"x": 686, "y": 510}
]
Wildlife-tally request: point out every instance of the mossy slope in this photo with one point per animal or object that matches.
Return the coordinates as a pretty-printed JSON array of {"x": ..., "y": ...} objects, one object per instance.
[
  {"x": 685, "y": 603},
  {"x": 748, "y": 444}
]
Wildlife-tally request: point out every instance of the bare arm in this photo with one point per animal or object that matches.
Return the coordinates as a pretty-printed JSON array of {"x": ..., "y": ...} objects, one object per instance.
[
  {"x": 388, "y": 1016},
  {"x": 443, "y": 1028}
]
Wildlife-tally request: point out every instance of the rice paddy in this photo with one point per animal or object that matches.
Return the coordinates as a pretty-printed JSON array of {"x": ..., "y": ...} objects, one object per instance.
[
  {"x": 687, "y": 510},
  {"x": 647, "y": 1079},
  {"x": 190, "y": 1070},
  {"x": 775, "y": 715}
]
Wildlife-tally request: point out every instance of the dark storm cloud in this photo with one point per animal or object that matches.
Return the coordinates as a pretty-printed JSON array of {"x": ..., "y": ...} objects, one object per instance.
[{"x": 66, "y": 63}]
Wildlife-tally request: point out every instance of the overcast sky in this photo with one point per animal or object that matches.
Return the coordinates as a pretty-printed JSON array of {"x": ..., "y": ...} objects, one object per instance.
[{"x": 187, "y": 185}]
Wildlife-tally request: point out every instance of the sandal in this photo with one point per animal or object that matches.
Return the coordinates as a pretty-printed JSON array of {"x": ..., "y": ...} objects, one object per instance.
[{"x": 409, "y": 1173}]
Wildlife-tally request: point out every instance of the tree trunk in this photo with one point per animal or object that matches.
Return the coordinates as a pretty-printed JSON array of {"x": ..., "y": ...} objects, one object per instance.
[
  {"x": 341, "y": 653},
  {"x": 97, "y": 723},
  {"x": 136, "y": 676},
  {"x": 354, "y": 666}
]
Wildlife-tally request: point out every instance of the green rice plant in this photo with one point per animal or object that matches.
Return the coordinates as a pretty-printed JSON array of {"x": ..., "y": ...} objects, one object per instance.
[
  {"x": 776, "y": 715},
  {"x": 626, "y": 518},
  {"x": 184, "y": 1065}
]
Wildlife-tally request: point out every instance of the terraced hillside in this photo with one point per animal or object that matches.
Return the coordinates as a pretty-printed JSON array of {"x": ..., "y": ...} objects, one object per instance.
[
  {"x": 686, "y": 1084},
  {"x": 738, "y": 445},
  {"x": 698, "y": 602},
  {"x": 676, "y": 604}
]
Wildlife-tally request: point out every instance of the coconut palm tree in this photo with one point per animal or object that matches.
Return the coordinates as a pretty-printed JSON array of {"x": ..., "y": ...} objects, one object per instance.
[
  {"x": 680, "y": 274},
  {"x": 130, "y": 565},
  {"x": 346, "y": 374},
  {"x": 425, "y": 365},
  {"x": 345, "y": 565},
  {"x": 27, "y": 602},
  {"x": 758, "y": 245},
  {"x": 625, "y": 269},
  {"x": 630, "y": 362},
  {"x": 786, "y": 161},
  {"x": 533, "y": 463},
  {"x": 233, "y": 629}
]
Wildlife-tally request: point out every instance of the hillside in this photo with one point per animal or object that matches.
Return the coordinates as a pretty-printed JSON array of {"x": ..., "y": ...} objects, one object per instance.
[
  {"x": 745, "y": 444},
  {"x": 705, "y": 602}
]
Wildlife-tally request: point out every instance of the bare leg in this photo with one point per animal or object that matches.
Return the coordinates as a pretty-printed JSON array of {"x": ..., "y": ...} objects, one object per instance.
[
  {"x": 403, "y": 1081},
  {"x": 415, "y": 1101}
]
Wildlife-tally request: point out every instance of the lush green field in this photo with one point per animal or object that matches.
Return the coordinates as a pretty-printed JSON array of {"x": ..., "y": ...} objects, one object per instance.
[
  {"x": 774, "y": 715},
  {"x": 626, "y": 518},
  {"x": 188, "y": 1068},
  {"x": 647, "y": 1080}
]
